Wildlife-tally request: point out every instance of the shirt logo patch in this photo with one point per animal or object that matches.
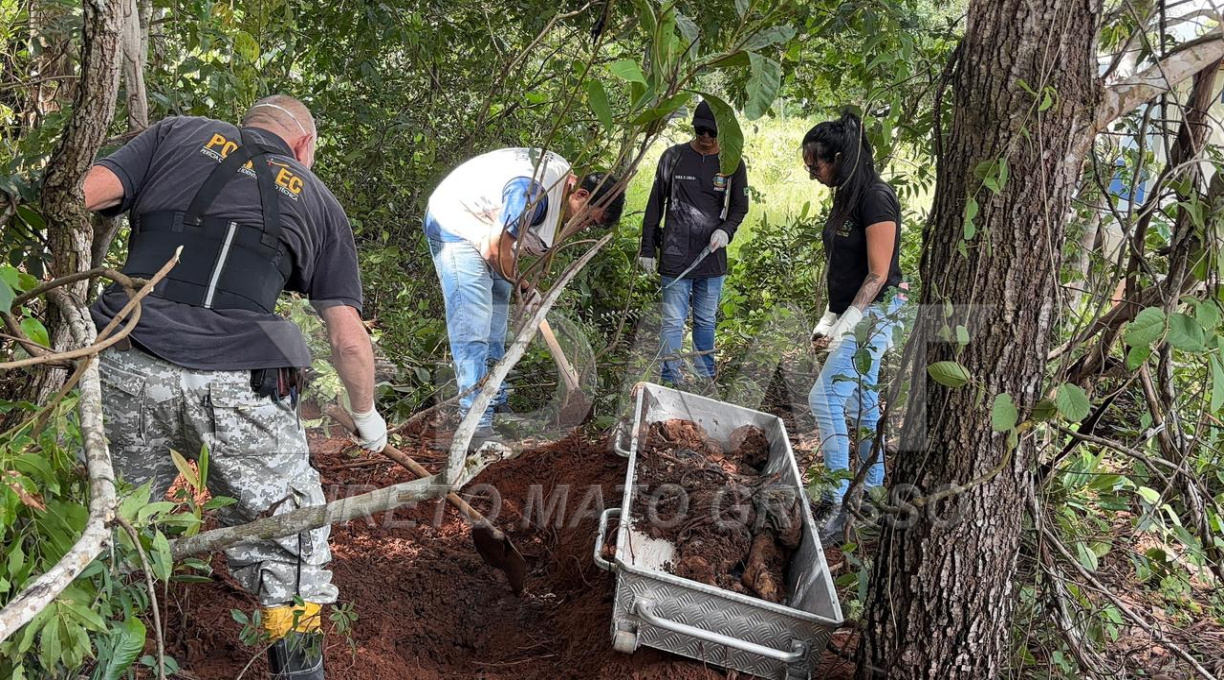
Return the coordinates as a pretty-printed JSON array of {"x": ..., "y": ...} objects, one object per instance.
[
  {"x": 287, "y": 182},
  {"x": 720, "y": 182}
]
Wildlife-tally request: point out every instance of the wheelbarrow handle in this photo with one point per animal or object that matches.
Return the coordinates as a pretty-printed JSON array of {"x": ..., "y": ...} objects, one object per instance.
[
  {"x": 645, "y": 610},
  {"x": 618, "y": 443},
  {"x": 599, "y": 539}
]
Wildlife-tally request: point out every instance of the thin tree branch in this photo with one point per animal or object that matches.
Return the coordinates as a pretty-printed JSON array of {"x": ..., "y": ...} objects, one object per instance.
[{"x": 1119, "y": 99}]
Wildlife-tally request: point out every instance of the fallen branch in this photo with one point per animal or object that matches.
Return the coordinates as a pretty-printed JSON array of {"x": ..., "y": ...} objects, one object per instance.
[
  {"x": 26, "y": 605},
  {"x": 313, "y": 517},
  {"x": 102, "y": 498}
]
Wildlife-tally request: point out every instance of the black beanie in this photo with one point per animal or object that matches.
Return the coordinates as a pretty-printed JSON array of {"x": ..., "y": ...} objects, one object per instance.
[{"x": 705, "y": 117}]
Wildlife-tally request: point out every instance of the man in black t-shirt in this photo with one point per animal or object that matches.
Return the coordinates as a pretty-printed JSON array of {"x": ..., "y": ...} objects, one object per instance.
[
  {"x": 700, "y": 208},
  {"x": 210, "y": 365}
]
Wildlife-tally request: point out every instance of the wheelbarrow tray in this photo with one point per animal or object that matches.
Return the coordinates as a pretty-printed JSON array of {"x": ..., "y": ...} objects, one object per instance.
[{"x": 714, "y": 625}]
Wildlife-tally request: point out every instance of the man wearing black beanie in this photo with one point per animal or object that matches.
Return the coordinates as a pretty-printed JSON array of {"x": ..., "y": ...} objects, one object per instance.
[{"x": 700, "y": 209}]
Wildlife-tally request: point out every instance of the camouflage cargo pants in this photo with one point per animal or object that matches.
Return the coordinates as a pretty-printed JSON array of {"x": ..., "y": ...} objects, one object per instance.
[{"x": 257, "y": 455}]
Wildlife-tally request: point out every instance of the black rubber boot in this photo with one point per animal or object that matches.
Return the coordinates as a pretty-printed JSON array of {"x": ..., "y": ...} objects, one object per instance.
[
  {"x": 297, "y": 656},
  {"x": 833, "y": 531}
]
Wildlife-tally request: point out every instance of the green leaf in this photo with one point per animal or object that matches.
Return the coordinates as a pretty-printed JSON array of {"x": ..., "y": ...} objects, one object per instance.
[
  {"x": 1003, "y": 414},
  {"x": 1146, "y": 328},
  {"x": 763, "y": 85},
  {"x": 971, "y": 212},
  {"x": 730, "y": 137},
  {"x": 1185, "y": 333},
  {"x": 688, "y": 28},
  {"x": 50, "y": 649},
  {"x": 773, "y": 35},
  {"x": 1137, "y": 356},
  {"x": 1045, "y": 410},
  {"x": 219, "y": 502},
  {"x": 6, "y": 295},
  {"x": 1002, "y": 172},
  {"x": 741, "y": 8},
  {"x": 88, "y": 618},
  {"x": 732, "y": 60},
  {"x": 948, "y": 373},
  {"x": 629, "y": 70},
  {"x": 1207, "y": 313},
  {"x": 246, "y": 46},
  {"x": 962, "y": 335},
  {"x": 185, "y": 470},
  {"x": 128, "y": 642},
  {"x": 1217, "y": 384},
  {"x": 36, "y": 331},
  {"x": 1148, "y": 494},
  {"x": 1086, "y": 557},
  {"x": 163, "y": 565},
  {"x": 202, "y": 467},
  {"x": 662, "y": 110},
  {"x": 1072, "y": 402}
]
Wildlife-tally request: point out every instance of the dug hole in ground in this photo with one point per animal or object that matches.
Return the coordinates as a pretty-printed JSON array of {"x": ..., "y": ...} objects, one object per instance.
[{"x": 428, "y": 607}]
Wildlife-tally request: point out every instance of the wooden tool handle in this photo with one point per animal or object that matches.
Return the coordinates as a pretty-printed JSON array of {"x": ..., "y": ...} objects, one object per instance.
[
  {"x": 346, "y": 421},
  {"x": 567, "y": 369}
]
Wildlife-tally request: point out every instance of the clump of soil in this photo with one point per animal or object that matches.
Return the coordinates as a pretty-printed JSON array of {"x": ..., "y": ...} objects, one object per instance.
[{"x": 731, "y": 526}]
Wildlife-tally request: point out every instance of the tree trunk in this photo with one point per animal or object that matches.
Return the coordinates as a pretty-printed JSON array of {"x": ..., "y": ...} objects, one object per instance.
[
  {"x": 134, "y": 42},
  {"x": 944, "y": 589},
  {"x": 69, "y": 231}
]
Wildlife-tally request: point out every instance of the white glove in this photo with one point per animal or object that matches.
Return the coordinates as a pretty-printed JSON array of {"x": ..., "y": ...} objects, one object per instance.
[
  {"x": 648, "y": 263},
  {"x": 371, "y": 430},
  {"x": 824, "y": 325},
  {"x": 719, "y": 239},
  {"x": 845, "y": 325}
]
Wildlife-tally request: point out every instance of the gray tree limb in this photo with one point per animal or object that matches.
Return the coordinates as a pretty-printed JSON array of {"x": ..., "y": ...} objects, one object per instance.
[{"x": 1182, "y": 64}]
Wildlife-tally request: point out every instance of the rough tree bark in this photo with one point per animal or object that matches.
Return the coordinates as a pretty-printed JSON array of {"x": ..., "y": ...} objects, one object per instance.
[
  {"x": 944, "y": 590},
  {"x": 69, "y": 231},
  {"x": 134, "y": 41},
  {"x": 944, "y": 594}
]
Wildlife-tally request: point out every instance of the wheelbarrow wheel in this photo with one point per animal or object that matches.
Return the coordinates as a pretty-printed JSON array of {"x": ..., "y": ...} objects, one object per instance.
[{"x": 624, "y": 641}]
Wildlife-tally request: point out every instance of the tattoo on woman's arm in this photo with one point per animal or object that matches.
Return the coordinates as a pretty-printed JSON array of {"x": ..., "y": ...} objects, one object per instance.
[{"x": 868, "y": 291}]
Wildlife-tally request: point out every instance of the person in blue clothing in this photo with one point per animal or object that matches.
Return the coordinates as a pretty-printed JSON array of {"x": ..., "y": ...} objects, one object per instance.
[
  {"x": 480, "y": 218},
  {"x": 699, "y": 208},
  {"x": 862, "y": 242}
]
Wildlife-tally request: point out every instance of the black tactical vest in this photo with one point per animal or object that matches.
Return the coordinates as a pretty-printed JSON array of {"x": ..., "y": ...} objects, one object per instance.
[{"x": 224, "y": 264}]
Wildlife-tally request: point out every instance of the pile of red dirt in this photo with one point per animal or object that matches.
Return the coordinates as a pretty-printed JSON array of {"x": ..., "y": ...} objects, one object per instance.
[{"x": 429, "y": 608}]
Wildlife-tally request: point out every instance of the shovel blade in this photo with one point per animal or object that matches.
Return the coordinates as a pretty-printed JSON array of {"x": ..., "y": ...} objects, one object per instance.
[{"x": 497, "y": 551}]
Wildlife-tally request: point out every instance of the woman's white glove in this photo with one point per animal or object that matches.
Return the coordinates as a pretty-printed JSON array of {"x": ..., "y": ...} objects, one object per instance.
[
  {"x": 719, "y": 239},
  {"x": 824, "y": 325},
  {"x": 845, "y": 324},
  {"x": 648, "y": 264},
  {"x": 371, "y": 430}
]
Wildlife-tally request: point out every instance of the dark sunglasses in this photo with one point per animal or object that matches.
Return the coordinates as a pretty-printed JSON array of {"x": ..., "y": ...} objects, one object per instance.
[{"x": 703, "y": 130}]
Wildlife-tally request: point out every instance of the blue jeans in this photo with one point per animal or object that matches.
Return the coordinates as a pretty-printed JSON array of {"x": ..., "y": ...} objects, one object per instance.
[
  {"x": 702, "y": 295},
  {"x": 842, "y": 390},
  {"x": 477, "y": 308}
]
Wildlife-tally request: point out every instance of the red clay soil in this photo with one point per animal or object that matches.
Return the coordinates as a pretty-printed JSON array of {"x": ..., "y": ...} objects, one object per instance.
[
  {"x": 730, "y": 527},
  {"x": 429, "y": 608}
]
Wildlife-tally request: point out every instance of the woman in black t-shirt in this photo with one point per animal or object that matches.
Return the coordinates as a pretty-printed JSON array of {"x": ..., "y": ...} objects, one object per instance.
[{"x": 861, "y": 238}]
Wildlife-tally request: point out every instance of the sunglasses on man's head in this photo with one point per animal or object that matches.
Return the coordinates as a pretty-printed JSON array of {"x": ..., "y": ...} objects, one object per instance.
[{"x": 703, "y": 130}]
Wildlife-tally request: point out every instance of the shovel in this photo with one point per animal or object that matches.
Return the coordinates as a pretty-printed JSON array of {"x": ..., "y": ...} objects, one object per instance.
[
  {"x": 494, "y": 547},
  {"x": 576, "y": 407},
  {"x": 700, "y": 256}
]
